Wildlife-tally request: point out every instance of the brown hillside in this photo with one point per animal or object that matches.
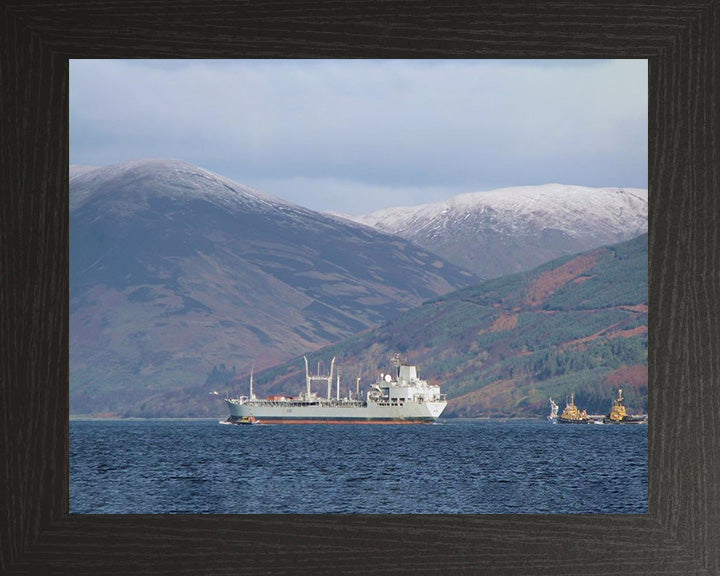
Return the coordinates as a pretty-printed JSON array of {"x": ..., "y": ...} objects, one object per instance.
[
  {"x": 607, "y": 333},
  {"x": 635, "y": 376},
  {"x": 504, "y": 322},
  {"x": 551, "y": 281}
]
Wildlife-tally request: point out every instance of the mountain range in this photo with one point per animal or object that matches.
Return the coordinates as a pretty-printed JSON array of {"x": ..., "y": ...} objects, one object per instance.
[
  {"x": 509, "y": 230},
  {"x": 177, "y": 273},
  {"x": 502, "y": 348},
  {"x": 181, "y": 280}
]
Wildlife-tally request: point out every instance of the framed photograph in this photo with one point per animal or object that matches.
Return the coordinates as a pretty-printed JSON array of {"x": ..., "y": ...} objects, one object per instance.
[
  {"x": 40, "y": 531},
  {"x": 344, "y": 242}
]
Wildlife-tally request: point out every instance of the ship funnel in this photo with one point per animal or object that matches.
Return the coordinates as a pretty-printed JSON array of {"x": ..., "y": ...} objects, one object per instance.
[{"x": 396, "y": 364}]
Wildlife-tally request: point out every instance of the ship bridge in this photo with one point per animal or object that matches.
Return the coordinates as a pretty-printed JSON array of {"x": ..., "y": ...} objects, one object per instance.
[{"x": 405, "y": 386}]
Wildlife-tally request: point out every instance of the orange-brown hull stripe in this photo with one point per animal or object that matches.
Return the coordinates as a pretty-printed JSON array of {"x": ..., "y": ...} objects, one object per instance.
[{"x": 298, "y": 421}]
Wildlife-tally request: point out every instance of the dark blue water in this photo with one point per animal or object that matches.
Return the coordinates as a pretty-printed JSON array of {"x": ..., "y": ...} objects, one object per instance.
[{"x": 465, "y": 467}]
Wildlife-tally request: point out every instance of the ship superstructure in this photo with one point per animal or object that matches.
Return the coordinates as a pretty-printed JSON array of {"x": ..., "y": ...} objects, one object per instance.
[
  {"x": 618, "y": 414},
  {"x": 399, "y": 397},
  {"x": 553, "y": 412},
  {"x": 572, "y": 415}
]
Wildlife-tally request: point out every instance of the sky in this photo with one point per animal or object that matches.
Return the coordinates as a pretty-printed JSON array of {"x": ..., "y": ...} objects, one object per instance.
[{"x": 353, "y": 136}]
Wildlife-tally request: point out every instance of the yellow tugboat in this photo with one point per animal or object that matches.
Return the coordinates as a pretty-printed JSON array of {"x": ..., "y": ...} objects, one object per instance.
[
  {"x": 246, "y": 420},
  {"x": 619, "y": 415},
  {"x": 571, "y": 414}
]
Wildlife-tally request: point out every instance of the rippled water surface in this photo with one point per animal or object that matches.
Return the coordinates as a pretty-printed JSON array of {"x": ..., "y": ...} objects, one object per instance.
[{"x": 455, "y": 466}]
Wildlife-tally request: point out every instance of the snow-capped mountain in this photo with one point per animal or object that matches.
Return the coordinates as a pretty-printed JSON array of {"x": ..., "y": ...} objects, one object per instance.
[
  {"x": 176, "y": 271},
  {"x": 513, "y": 229},
  {"x": 174, "y": 179}
]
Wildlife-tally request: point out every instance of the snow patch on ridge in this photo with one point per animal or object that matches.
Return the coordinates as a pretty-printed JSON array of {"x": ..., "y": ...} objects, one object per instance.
[
  {"x": 565, "y": 208},
  {"x": 171, "y": 178}
]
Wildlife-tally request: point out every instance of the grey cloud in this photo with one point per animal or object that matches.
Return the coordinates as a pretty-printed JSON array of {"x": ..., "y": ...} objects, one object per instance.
[{"x": 382, "y": 125}]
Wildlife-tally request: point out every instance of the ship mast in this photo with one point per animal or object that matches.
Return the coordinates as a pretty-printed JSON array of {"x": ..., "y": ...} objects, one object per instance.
[
  {"x": 307, "y": 376},
  {"x": 252, "y": 369},
  {"x": 328, "y": 379}
]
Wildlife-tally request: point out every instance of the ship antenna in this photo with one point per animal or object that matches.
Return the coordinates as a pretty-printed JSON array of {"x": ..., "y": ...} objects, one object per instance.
[{"x": 337, "y": 388}]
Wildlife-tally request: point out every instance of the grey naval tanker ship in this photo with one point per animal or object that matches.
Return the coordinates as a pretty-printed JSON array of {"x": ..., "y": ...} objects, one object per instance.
[{"x": 396, "y": 398}]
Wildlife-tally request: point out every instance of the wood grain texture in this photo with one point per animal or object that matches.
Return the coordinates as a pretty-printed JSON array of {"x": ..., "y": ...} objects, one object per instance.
[{"x": 680, "y": 535}]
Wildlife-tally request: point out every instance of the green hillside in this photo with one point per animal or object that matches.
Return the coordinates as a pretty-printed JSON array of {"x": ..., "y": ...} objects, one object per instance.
[{"x": 501, "y": 348}]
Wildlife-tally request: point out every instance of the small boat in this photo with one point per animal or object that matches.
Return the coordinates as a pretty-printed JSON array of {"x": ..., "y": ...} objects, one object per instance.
[
  {"x": 619, "y": 415},
  {"x": 571, "y": 414},
  {"x": 244, "y": 420}
]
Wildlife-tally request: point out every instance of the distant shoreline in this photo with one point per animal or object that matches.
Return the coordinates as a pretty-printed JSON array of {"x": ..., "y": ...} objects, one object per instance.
[
  {"x": 115, "y": 418},
  {"x": 96, "y": 417}
]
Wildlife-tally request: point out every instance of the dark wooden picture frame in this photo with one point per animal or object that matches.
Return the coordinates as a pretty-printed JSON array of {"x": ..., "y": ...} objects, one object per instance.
[{"x": 681, "y": 533}]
